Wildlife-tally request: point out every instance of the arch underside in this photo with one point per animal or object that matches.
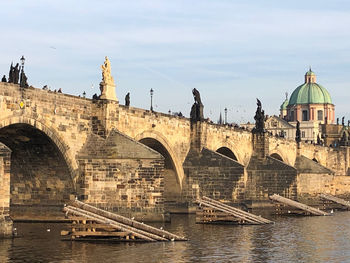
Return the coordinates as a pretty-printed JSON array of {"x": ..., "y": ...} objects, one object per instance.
[
  {"x": 172, "y": 187},
  {"x": 277, "y": 156},
  {"x": 41, "y": 179},
  {"x": 227, "y": 152}
]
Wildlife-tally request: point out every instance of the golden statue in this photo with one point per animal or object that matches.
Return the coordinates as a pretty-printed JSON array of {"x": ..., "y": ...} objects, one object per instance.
[
  {"x": 107, "y": 85},
  {"x": 106, "y": 72}
]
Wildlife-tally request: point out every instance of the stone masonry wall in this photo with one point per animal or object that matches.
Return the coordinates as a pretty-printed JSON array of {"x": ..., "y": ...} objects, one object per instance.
[
  {"x": 210, "y": 174},
  {"x": 270, "y": 176},
  {"x": 122, "y": 175},
  {"x": 129, "y": 187},
  {"x": 5, "y": 221},
  {"x": 332, "y": 158},
  {"x": 311, "y": 185}
]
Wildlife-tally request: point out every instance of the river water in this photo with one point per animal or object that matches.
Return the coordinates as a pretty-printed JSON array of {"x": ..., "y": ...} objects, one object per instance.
[{"x": 290, "y": 239}]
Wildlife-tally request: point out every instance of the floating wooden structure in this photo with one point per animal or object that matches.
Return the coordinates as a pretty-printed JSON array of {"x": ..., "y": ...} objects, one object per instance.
[
  {"x": 92, "y": 223},
  {"x": 344, "y": 204},
  {"x": 288, "y": 206},
  {"x": 212, "y": 211}
]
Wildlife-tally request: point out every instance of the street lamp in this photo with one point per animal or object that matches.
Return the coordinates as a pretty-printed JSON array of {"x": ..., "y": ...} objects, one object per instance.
[
  {"x": 22, "y": 61},
  {"x": 23, "y": 78},
  {"x": 151, "y": 92},
  {"x": 225, "y": 115}
]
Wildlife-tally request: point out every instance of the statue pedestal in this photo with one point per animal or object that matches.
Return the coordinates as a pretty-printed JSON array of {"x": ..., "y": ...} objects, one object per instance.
[{"x": 108, "y": 91}]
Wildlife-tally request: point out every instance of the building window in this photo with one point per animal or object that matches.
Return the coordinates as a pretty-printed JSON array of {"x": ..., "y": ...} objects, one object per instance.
[
  {"x": 292, "y": 116},
  {"x": 305, "y": 117},
  {"x": 320, "y": 115},
  {"x": 302, "y": 134}
]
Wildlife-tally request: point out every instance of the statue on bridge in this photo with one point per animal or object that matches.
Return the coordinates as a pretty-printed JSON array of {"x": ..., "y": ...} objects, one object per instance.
[
  {"x": 106, "y": 72},
  {"x": 23, "y": 82},
  {"x": 344, "y": 141},
  {"x": 127, "y": 100},
  {"x": 343, "y": 121},
  {"x": 259, "y": 119},
  {"x": 4, "y": 79},
  {"x": 197, "y": 107},
  {"x": 14, "y": 74},
  {"x": 107, "y": 85}
]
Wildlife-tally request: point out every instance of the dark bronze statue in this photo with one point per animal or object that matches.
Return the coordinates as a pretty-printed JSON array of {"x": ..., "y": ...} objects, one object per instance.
[
  {"x": 23, "y": 82},
  {"x": 127, "y": 100},
  {"x": 11, "y": 73},
  {"x": 197, "y": 96},
  {"x": 337, "y": 121},
  {"x": 14, "y": 74},
  {"x": 297, "y": 133},
  {"x": 4, "y": 79},
  {"x": 197, "y": 107},
  {"x": 344, "y": 141},
  {"x": 259, "y": 118},
  {"x": 343, "y": 121}
]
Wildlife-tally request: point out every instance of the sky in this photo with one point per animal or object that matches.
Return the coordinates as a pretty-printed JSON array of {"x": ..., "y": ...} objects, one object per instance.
[{"x": 231, "y": 51}]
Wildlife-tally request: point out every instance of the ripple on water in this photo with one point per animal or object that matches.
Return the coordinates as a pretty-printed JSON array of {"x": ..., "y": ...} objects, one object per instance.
[{"x": 294, "y": 239}]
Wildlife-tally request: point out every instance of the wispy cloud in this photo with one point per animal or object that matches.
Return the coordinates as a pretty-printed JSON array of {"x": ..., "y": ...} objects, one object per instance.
[{"x": 229, "y": 50}]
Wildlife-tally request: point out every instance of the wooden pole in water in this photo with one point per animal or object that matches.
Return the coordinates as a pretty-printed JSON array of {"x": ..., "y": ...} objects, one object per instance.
[
  {"x": 128, "y": 221},
  {"x": 222, "y": 209},
  {"x": 301, "y": 206},
  {"x": 253, "y": 217},
  {"x": 335, "y": 200},
  {"x": 136, "y": 232}
]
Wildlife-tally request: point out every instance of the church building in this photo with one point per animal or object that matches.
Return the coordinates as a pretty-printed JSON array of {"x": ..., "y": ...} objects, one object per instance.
[{"x": 311, "y": 105}]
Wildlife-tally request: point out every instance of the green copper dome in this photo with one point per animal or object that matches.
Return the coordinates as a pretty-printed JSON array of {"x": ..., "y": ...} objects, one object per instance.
[
  {"x": 310, "y": 93},
  {"x": 284, "y": 104}
]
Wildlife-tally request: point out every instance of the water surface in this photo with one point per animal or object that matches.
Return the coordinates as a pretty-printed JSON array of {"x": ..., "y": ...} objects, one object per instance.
[{"x": 290, "y": 239}]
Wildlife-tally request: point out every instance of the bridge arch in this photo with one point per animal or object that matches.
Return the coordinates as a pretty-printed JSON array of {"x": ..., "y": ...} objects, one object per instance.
[
  {"x": 42, "y": 174},
  {"x": 173, "y": 171},
  {"x": 282, "y": 156},
  {"x": 156, "y": 136},
  {"x": 227, "y": 152},
  {"x": 227, "y": 147},
  {"x": 277, "y": 156}
]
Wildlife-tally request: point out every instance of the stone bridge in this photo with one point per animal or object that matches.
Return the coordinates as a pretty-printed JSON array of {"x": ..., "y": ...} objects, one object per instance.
[{"x": 131, "y": 159}]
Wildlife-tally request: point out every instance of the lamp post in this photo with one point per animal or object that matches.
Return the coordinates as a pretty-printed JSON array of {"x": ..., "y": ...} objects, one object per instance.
[
  {"x": 225, "y": 115},
  {"x": 22, "y": 81},
  {"x": 22, "y": 62},
  {"x": 151, "y": 92}
]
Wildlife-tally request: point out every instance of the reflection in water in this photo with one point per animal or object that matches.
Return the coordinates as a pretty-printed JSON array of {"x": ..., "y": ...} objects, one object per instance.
[{"x": 298, "y": 239}]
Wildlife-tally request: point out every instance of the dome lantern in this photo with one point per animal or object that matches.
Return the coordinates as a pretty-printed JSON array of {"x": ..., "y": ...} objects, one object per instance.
[{"x": 310, "y": 76}]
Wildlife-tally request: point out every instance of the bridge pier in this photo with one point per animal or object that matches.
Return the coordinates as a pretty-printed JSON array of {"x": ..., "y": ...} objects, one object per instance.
[
  {"x": 6, "y": 225},
  {"x": 267, "y": 175},
  {"x": 105, "y": 116}
]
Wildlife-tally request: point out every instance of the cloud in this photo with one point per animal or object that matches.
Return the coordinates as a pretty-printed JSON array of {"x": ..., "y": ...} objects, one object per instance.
[{"x": 236, "y": 48}]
